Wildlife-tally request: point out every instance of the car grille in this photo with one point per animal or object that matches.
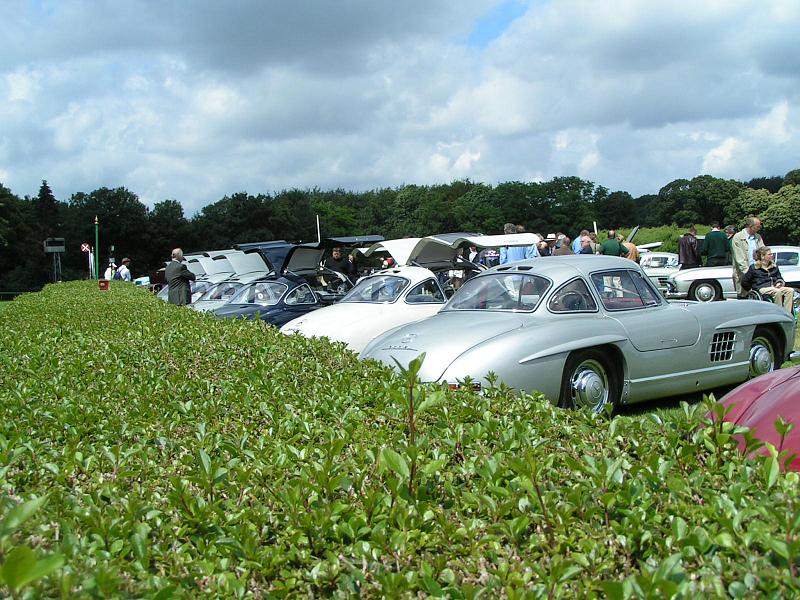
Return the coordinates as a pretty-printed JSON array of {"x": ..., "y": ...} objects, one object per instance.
[
  {"x": 722, "y": 346},
  {"x": 662, "y": 281}
]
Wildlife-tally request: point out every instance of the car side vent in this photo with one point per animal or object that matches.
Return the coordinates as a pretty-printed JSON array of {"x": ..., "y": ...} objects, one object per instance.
[{"x": 722, "y": 346}]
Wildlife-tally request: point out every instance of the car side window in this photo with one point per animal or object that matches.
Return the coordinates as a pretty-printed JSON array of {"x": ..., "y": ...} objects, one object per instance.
[
  {"x": 787, "y": 258},
  {"x": 571, "y": 297},
  {"x": 649, "y": 297},
  {"x": 427, "y": 291},
  {"x": 618, "y": 291},
  {"x": 300, "y": 295}
]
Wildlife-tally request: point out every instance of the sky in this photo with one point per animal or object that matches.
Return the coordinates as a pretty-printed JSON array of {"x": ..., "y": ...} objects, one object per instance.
[{"x": 195, "y": 100}]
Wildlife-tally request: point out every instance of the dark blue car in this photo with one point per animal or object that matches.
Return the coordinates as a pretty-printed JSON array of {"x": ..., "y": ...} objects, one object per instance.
[{"x": 300, "y": 286}]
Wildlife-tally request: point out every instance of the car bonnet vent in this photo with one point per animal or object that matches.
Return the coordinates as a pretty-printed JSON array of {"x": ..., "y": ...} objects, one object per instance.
[{"x": 722, "y": 346}]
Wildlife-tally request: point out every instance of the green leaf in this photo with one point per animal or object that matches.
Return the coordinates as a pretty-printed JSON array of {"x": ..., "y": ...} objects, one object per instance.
[
  {"x": 395, "y": 462},
  {"x": 19, "y": 514},
  {"x": 771, "y": 470},
  {"x": 21, "y": 567},
  {"x": 205, "y": 463}
]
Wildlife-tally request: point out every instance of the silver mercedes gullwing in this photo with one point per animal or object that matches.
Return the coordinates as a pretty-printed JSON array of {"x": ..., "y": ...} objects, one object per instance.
[{"x": 588, "y": 331}]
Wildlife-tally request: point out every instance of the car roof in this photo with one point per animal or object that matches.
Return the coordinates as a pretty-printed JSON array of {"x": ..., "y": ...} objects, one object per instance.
[
  {"x": 566, "y": 267},
  {"x": 413, "y": 274}
]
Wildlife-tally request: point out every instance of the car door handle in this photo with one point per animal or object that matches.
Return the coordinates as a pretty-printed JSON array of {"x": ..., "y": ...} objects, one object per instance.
[{"x": 673, "y": 340}]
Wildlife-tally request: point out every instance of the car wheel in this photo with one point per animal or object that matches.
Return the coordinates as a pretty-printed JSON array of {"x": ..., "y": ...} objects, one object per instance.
[
  {"x": 765, "y": 352},
  {"x": 705, "y": 291},
  {"x": 589, "y": 381}
]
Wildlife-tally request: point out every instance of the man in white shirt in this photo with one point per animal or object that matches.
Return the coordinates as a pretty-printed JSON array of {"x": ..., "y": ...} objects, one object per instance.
[{"x": 124, "y": 271}]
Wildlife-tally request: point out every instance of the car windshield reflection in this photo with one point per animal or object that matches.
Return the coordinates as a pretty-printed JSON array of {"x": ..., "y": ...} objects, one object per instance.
[
  {"x": 221, "y": 291},
  {"x": 378, "y": 288},
  {"x": 263, "y": 293},
  {"x": 500, "y": 291}
]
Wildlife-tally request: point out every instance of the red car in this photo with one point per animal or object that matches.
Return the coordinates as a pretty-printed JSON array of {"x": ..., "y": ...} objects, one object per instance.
[{"x": 759, "y": 402}]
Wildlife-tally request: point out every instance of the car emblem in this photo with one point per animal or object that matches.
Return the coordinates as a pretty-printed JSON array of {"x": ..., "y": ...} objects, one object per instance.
[{"x": 408, "y": 338}]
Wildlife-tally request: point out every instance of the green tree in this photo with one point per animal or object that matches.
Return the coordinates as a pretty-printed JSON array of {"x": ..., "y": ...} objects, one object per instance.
[
  {"x": 781, "y": 220},
  {"x": 792, "y": 177},
  {"x": 477, "y": 211},
  {"x": 617, "y": 207},
  {"x": 771, "y": 184},
  {"x": 235, "y": 219},
  {"x": 167, "y": 228},
  {"x": 123, "y": 222},
  {"x": 747, "y": 202}
]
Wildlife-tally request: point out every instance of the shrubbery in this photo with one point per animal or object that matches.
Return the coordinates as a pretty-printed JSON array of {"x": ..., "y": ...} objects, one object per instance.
[{"x": 148, "y": 450}]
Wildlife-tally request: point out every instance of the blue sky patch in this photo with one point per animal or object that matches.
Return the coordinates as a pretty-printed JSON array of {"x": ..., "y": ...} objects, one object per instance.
[{"x": 494, "y": 23}]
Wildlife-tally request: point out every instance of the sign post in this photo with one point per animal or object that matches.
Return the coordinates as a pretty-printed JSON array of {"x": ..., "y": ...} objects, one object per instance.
[{"x": 85, "y": 247}]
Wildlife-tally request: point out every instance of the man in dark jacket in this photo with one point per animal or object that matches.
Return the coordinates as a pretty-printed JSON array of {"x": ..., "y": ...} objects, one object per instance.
[
  {"x": 343, "y": 264},
  {"x": 178, "y": 277},
  {"x": 688, "y": 254}
]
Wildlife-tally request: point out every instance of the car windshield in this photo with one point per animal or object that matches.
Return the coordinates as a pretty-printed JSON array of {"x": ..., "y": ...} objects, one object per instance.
[
  {"x": 656, "y": 262},
  {"x": 221, "y": 291},
  {"x": 263, "y": 293},
  {"x": 378, "y": 288},
  {"x": 500, "y": 291}
]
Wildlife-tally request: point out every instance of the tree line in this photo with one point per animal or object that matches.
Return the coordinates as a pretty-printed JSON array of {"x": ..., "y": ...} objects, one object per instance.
[{"x": 565, "y": 204}]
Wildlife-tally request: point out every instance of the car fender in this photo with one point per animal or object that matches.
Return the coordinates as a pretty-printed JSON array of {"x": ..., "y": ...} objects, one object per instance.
[
  {"x": 757, "y": 319},
  {"x": 578, "y": 344}
]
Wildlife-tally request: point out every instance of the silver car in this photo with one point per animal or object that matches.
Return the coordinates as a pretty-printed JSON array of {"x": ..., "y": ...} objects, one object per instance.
[
  {"x": 706, "y": 284},
  {"x": 587, "y": 331}
]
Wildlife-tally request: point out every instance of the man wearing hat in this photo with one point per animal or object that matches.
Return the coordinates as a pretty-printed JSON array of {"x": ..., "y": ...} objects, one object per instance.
[{"x": 124, "y": 270}]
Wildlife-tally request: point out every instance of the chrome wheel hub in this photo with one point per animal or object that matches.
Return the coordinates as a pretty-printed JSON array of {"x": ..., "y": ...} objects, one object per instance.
[
  {"x": 590, "y": 386},
  {"x": 761, "y": 360},
  {"x": 705, "y": 293}
]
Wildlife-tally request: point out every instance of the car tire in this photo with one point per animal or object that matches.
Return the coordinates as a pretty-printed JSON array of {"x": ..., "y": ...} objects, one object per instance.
[
  {"x": 765, "y": 352},
  {"x": 590, "y": 380},
  {"x": 705, "y": 291}
]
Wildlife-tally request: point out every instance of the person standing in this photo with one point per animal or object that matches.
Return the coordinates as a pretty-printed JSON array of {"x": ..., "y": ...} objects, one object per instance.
[
  {"x": 577, "y": 243},
  {"x": 124, "y": 271},
  {"x": 612, "y": 247},
  {"x": 564, "y": 249},
  {"x": 743, "y": 244},
  {"x": 633, "y": 251},
  {"x": 178, "y": 277},
  {"x": 337, "y": 262},
  {"x": 716, "y": 247},
  {"x": 688, "y": 253}
]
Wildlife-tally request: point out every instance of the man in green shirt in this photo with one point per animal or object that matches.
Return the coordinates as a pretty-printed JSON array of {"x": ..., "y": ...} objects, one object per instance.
[
  {"x": 716, "y": 247},
  {"x": 611, "y": 247}
]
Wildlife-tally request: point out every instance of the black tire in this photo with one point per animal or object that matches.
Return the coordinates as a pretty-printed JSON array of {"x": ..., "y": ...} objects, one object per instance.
[
  {"x": 590, "y": 380},
  {"x": 766, "y": 352},
  {"x": 705, "y": 291}
]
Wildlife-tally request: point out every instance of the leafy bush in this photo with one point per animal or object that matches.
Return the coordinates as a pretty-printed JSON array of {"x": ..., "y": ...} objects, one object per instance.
[{"x": 184, "y": 456}]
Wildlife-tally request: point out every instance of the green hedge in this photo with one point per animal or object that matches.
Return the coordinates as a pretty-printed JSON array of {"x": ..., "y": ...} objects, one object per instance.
[{"x": 151, "y": 451}]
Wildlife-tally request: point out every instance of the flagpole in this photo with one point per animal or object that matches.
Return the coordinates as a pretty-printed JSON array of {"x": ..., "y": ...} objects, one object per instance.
[{"x": 96, "y": 248}]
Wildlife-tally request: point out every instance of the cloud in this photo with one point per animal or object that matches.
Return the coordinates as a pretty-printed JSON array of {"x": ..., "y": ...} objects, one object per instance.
[{"x": 197, "y": 100}]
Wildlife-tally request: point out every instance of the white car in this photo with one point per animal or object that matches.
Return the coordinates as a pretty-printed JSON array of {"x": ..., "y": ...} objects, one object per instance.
[
  {"x": 706, "y": 284},
  {"x": 659, "y": 266},
  {"x": 415, "y": 289}
]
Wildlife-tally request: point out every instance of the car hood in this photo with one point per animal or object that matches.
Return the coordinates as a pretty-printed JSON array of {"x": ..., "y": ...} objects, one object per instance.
[
  {"x": 757, "y": 403},
  {"x": 356, "y": 323},
  {"x": 233, "y": 311},
  {"x": 443, "y": 338}
]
